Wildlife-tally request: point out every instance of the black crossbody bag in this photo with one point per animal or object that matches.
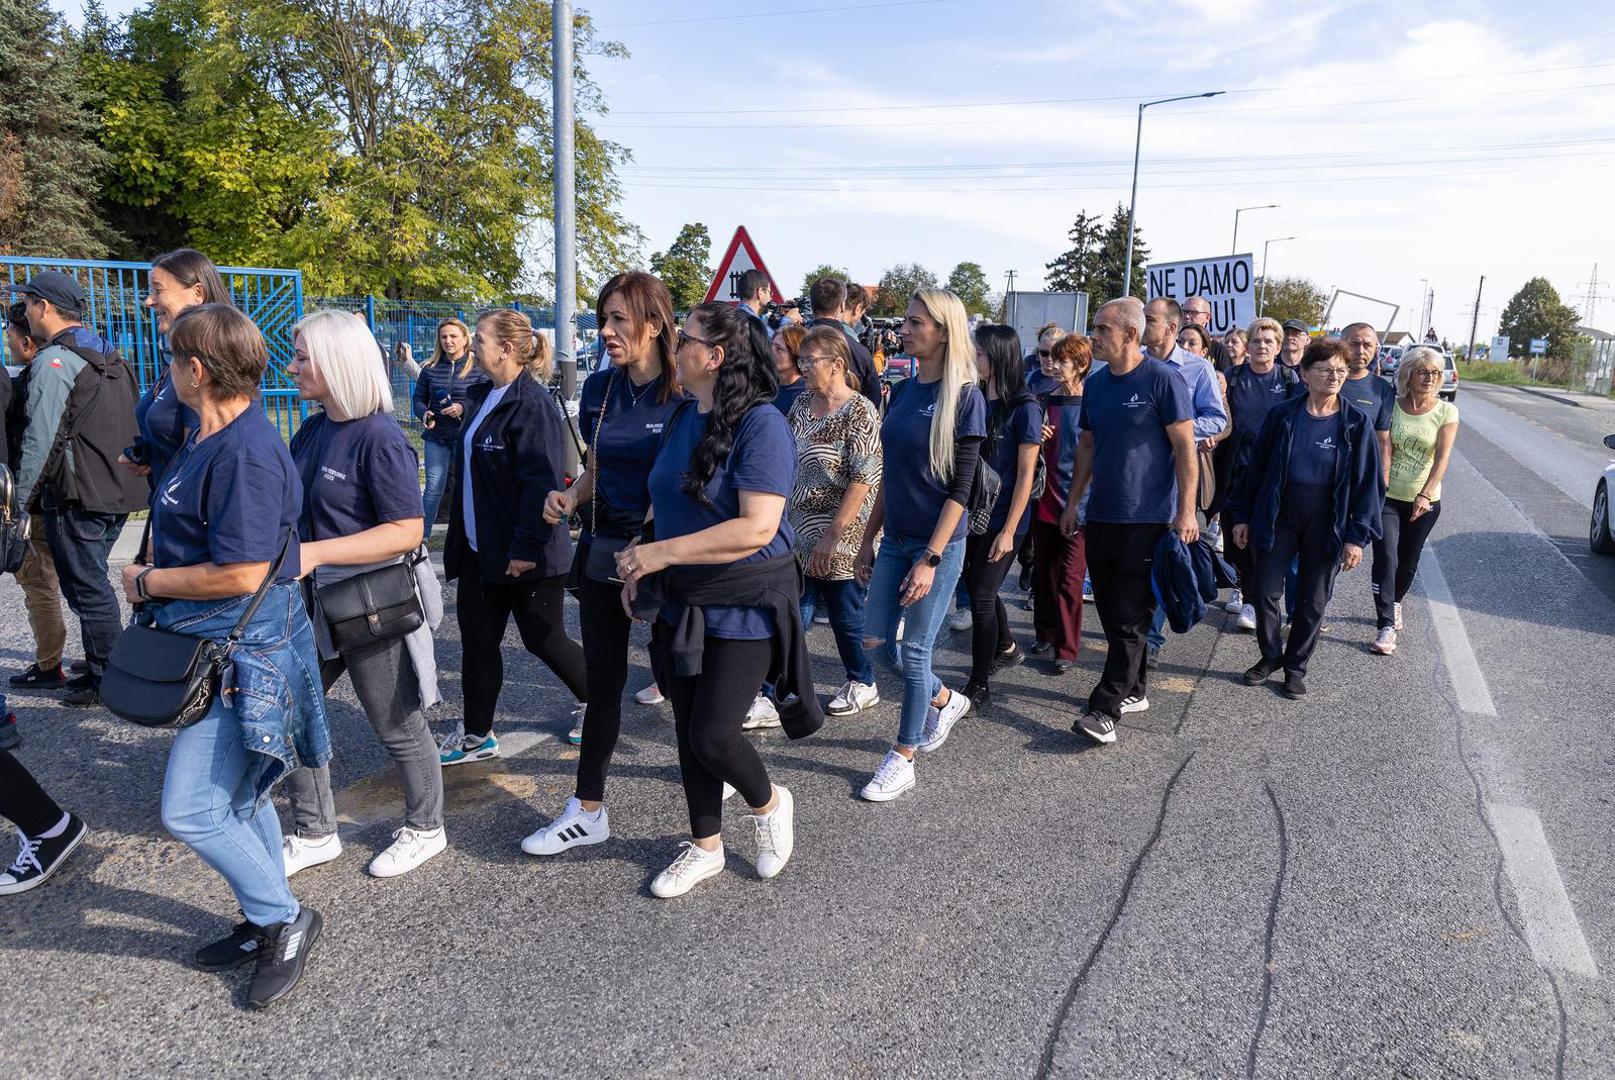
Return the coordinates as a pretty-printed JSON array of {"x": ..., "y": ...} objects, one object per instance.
[
  {"x": 13, "y": 525},
  {"x": 378, "y": 605},
  {"x": 161, "y": 679}
]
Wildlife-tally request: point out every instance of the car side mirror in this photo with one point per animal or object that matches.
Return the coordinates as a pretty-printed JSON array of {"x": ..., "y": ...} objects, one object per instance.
[{"x": 1609, "y": 441}]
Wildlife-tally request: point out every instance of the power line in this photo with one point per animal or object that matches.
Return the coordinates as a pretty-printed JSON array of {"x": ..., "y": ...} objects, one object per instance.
[
  {"x": 1137, "y": 96},
  {"x": 775, "y": 14}
]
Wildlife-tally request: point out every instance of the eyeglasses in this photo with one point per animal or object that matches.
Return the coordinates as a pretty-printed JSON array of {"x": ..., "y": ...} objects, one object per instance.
[
  {"x": 1045, "y": 353},
  {"x": 683, "y": 337},
  {"x": 1332, "y": 374},
  {"x": 1424, "y": 373},
  {"x": 804, "y": 361}
]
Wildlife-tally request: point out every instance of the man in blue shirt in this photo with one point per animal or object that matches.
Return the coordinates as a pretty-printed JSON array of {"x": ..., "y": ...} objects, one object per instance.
[
  {"x": 1370, "y": 393},
  {"x": 1137, "y": 446},
  {"x": 1163, "y": 318},
  {"x": 755, "y": 293}
]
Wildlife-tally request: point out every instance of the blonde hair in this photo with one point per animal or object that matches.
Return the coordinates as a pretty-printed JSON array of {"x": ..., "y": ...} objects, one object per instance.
[
  {"x": 958, "y": 373},
  {"x": 1420, "y": 356},
  {"x": 437, "y": 346},
  {"x": 516, "y": 330},
  {"x": 1264, "y": 323},
  {"x": 345, "y": 353}
]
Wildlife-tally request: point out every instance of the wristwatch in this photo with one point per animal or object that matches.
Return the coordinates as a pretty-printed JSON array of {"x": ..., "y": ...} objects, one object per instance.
[{"x": 932, "y": 559}]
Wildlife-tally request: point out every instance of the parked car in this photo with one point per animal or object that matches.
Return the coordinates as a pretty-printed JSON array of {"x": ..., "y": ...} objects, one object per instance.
[
  {"x": 1449, "y": 377},
  {"x": 1389, "y": 357},
  {"x": 1599, "y": 535}
]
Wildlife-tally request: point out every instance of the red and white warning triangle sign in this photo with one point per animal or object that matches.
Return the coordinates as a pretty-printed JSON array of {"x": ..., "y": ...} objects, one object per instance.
[{"x": 740, "y": 256}]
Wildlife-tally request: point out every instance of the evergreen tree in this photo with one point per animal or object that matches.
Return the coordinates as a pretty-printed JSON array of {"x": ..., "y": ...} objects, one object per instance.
[
  {"x": 49, "y": 160},
  {"x": 1077, "y": 270},
  {"x": 1113, "y": 260},
  {"x": 1537, "y": 312},
  {"x": 683, "y": 267}
]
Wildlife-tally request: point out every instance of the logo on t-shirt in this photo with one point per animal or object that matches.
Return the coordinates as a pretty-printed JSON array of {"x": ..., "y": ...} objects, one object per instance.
[
  {"x": 1135, "y": 402},
  {"x": 1278, "y": 387},
  {"x": 654, "y": 429},
  {"x": 1328, "y": 444},
  {"x": 929, "y": 410},
  {"x": 487, "y": 443},
  {"x": 169, "y": 494},
  {"x": 331, "y": 474}
]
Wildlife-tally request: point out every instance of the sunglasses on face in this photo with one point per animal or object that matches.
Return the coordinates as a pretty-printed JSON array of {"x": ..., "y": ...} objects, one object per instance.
[{"x": 683, "y": 337}]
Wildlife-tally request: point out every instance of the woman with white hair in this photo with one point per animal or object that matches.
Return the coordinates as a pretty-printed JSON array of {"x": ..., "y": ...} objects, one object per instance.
[
  {"x": 931, "y": 439},
  {"x": 1423, "y": 429},
  {"x": 361, "y": 511}
]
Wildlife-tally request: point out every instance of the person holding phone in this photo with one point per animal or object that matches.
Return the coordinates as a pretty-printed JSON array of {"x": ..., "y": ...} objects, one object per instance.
[{"x": 439, "y": 401}]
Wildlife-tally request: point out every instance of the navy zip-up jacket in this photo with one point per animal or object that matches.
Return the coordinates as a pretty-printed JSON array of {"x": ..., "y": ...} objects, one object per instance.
[
  {"x": 434, "y": 379},
  {"x": 518, "y": 456},
  {"x": 1358, "y": 492}
]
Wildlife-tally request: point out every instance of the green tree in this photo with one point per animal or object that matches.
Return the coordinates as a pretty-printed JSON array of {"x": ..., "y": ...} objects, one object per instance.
[
  {"x": 897, "y": 285},
  {"x": 683, "y": 268},
  {"x": 969, "y": 282},
  {"x": 1112, "y": 261},
  {"x": 823, "y": 270},
  {"x": 48, "y": 155},
  {"x": 1537, "y": 312},
  {"x": 1077, "y": 269},
  {"x": 1292, "y": 298}
]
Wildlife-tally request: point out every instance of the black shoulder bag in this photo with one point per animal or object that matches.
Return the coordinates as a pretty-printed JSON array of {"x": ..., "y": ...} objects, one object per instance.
[
  {"x": 13, "y": 525},
  {"x": 160, "y": 679},
  {"x": 374, "y": 606}
]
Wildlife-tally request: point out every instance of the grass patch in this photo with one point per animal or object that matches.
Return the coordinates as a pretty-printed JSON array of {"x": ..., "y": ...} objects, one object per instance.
[{"x": 1505, "y": 374}]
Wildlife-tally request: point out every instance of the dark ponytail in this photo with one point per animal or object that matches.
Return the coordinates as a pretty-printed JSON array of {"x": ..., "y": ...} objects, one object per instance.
[
  {"x": 1002, "y": 346},
  {"x": 746, "y": 379}
]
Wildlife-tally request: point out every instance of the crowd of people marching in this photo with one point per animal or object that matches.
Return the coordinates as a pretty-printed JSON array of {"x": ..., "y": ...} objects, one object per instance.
[{"x": 736, "y": 484}]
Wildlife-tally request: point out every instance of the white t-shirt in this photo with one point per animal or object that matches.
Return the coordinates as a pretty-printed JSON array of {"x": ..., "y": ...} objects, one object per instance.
[{"x": 489, "y": 403}]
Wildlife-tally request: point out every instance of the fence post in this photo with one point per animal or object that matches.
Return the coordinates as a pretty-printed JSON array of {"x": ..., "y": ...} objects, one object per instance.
[{"x": 370, "y": 313}]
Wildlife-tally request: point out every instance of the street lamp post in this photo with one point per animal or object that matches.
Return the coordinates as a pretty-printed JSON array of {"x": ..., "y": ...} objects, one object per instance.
[
  {"x": 1233, "y": 249},
  {"x": 1424, "y": 303},
  {"x": 1132, "y": 201},
  {"x": 1261, "y": 301}
]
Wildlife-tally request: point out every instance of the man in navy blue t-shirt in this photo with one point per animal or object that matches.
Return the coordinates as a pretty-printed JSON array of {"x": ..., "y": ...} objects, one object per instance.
[
  {"x": 1137, "y": 446},
  {"x": 1370, "y": 393}
]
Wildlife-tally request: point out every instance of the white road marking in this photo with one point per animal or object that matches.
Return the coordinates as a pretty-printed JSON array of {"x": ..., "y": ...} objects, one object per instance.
[
  {"x": 1468, "y": 684},
  {"x": 1551, "y": 927}
]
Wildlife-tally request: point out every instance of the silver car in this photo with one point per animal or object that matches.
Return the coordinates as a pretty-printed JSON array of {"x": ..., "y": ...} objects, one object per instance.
[{"x": 1599, "y": 536}]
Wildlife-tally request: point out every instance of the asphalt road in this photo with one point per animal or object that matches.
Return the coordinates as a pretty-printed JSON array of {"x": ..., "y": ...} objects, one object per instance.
[{"x": 1406, "y": 875}]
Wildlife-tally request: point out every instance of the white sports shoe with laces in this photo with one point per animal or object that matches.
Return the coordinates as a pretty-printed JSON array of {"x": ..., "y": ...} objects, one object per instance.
[
  {"x": 895, "y": 776},
  {"x": 692, "y": 867},
  {"x": 776, "y": 834},
  {"x": 300, "y": 853},
  {"x": 410, "y": 848},
  {"x": 575, "y": 827}
]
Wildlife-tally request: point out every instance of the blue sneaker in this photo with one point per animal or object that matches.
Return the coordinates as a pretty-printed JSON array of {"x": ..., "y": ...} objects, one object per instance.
[
  {"x": 460, "y": 749},
  {"x": 1087, "y": 590}
]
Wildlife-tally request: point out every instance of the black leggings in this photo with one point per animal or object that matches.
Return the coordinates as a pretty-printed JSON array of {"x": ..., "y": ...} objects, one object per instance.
[
  {"x": 23, "y": 802},
  {"x": 605, "y": 643},
  {"x": 1396, "y": 555},
  {"x": 484, "y": 610},
  {"x": 707, "y": 711},
  {"x": 989, "y": 626}
]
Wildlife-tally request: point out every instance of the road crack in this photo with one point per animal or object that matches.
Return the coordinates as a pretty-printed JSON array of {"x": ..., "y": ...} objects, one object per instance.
[
  {"x": 1267, "y": 937},
  {"x": 1046, "y": 1064}
]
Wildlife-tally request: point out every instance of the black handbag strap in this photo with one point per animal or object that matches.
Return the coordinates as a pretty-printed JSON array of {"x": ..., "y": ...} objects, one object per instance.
[{"x": 263, "y": 589}]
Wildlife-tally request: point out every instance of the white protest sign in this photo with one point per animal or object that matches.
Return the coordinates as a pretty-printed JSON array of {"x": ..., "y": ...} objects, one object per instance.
[{"x": 1228, "y": 282}]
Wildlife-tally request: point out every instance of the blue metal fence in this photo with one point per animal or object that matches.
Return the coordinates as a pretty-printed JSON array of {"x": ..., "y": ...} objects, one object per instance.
[{"x": 116, "y": 290}]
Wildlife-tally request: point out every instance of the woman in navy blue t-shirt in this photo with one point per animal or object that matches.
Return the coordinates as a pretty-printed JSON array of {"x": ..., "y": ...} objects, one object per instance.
[
  {"x": 931, "y": 439},
  {"x": 225, "y": 511},
  {"x": 718, "y": 492},
  {"x": 1014, "y": 435},
  {"x": 623, "y": 407},
  {"x": 361, "y": 511}
]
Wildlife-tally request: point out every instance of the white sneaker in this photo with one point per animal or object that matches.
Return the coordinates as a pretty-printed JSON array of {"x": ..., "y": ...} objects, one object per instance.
[
  {"x": 854, "y": 697},
  {"x": 1385, "y": 641},
  {"x": 410, "y": 848},
  {"x": 941, "y": 721},
  {"x": 776, "y": 834},
  {"x": 575, "y": 827},
  {"x": 1236, "y": 601},
  {"x": 895, "y": 776},
  {"x": 821, "y": 618},
  {"x": 300, "y": 853},
  {"x": 960, "y": 619},
  {"x": 575, "y": 736},
  {"x": 1134, "y": 704},
  {"x": 728, "y": 791},
  {"x": 651, "y": 695},
  {"x": 762, "y": 714},
  {"x": 1396, "y": 616},
  {"x": 692, "y": 867},
  {"x": 1247, "y": 617}
]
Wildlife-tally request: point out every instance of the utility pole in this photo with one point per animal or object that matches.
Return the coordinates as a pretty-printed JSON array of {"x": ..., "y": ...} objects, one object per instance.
[
  {"x": 1475, "y": 321},
  {"x": 1590, "y": 299},
  {"x": 1132, "y": 200},
  {"x": 1009, "y": 290},
  {"x": 566, "y": 218}
]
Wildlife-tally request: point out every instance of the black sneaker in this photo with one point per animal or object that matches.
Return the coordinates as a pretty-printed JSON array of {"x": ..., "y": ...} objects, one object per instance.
[
  {"x": 38, "y": 678},
  {"x": 1152, "y": 657},
  {"x": 1294, "y": 686},
  {"x": 1025, "y": 580},
  {"x": 40, "y": 857},
  {"x": 1008, "y": 659},
  {"x": 79, "y": 667},
  {"x": 245, "y": 942},
  {"x": 979, "y": 694},
  {"x": 10, "y": 739},
  {"x": 1097, "y": 726},
  {"x": 280, "y": 961},
  {"x": 1061, "y": 667},
  {"x": 79, "y": 682},
  {"x": 84, "y": 697},
  {"x": 1259, "y": 671}
]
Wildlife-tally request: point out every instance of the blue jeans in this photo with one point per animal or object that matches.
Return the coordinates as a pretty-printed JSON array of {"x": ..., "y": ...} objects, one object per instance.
[
  {"x": 211, "y": 803},
  {"x": 439, "y": 460},
  {"x": 80, "y": 541},
  {"x": 923, "y": 620},
  {"x": 843, "y": 602}
]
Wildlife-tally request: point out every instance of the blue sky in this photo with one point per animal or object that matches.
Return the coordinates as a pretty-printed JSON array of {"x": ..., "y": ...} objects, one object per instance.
[{"x": 1403, "y": 141}]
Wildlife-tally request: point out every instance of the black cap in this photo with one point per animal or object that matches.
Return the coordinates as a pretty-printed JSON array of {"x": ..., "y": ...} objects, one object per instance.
[
  {"x": 53, "y": 285},
  {"x": 1297, "y": 325}
]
